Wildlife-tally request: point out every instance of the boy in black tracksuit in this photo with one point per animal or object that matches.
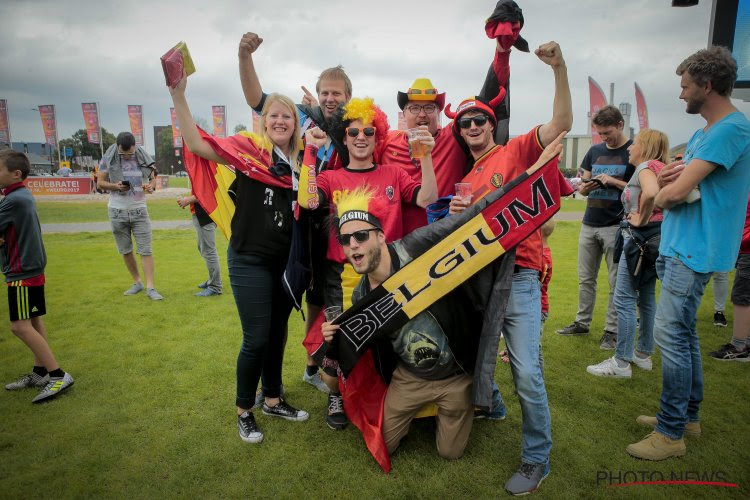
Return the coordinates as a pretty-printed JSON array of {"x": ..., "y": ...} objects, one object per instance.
[{"x": 22, "y": 258}]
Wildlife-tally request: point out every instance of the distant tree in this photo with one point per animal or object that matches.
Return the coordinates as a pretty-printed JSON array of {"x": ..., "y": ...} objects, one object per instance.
[
  {"x": 165, "y": 157},
  {"x": 239, "y": 128},
  {"x": 82, "y": 147}
]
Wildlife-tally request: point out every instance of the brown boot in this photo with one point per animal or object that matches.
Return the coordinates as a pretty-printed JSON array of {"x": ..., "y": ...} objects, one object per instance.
[
  {"x": 692, "y": 429},
  {"x": 657, "y": 446}
]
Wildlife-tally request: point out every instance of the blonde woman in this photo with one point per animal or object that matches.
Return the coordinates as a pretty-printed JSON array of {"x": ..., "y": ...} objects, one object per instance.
[
  {"x": 258, "y": 247},
  {"x": 649, "y": 151}
]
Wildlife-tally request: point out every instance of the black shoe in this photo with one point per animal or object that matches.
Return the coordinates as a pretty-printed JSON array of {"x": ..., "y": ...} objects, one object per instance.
[
  {"x": 285, "y": 411},
  {"x": 575, "y": 328},
  {"x": 720, "y": 319},
  {"x": 336, "y": 418},
  {"x": 249, "y": 431},
  {"x": 728, "y": 352},
  {"x": 608, "y": 342}
]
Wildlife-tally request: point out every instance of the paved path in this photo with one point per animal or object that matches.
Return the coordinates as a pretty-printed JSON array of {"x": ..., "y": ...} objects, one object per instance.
[{"x": 98, "y": 227}]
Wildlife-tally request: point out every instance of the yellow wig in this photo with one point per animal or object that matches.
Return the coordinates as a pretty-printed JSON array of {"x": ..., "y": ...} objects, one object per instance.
[
  {"x": 358, "y": 199},
  {"x": 355, "y": 205},
  {"x": 360, "y": 109}
]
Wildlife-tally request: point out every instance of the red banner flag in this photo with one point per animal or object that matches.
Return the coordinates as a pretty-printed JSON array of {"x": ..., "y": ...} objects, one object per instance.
[
  {"x": 91, "y": 121},
  {"x": 135, "y": 114},
  {"x": 597, "y": 100},
  {"x": 49, "y": 123},
  {"x": 4, "y": 122},
  {"x": 220, "y": 120},
  {"x": 176, "y": 137},
  {"x": 640, "y": 105}
]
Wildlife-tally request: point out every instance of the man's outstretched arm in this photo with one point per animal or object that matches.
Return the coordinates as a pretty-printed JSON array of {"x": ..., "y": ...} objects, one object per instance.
[
  {"x": 562, "y": 107},
  {"x": 248, "y": 76}
]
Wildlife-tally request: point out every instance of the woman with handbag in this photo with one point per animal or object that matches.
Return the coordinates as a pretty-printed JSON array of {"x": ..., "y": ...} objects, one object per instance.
[{"x": 636, "y": 274}]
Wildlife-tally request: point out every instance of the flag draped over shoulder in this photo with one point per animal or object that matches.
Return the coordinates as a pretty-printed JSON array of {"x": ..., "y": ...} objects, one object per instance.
[{"x": 246, "y": 153}]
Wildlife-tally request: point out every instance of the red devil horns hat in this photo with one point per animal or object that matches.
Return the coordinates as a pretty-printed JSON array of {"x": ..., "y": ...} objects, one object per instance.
[{"x": 476, "y": 104}]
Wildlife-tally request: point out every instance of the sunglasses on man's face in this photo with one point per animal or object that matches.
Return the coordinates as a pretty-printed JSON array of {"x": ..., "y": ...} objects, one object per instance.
[
  {"x": 361, "y": 236},
  {"x": 478, "y": 120},
  {"x": 354, "y": 131}
]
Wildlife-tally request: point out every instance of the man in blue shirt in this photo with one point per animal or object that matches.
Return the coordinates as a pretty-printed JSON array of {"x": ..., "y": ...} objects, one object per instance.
[{"x": 700, "y": 235}]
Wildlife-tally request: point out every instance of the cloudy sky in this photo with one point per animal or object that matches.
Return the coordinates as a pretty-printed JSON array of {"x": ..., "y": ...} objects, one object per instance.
[{"x": 65, "y": 53}]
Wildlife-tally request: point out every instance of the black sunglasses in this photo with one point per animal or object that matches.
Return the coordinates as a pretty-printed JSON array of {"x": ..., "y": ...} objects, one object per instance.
[
  {"x": 354, "y": 131},
  {"x": 479, "y": 120},
  {"x": 361, "y": 236}
]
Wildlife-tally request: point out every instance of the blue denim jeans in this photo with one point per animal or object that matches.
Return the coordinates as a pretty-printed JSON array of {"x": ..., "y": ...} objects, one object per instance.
[
  {"x": 521, "y": 331},
  {"x": 626, "y": 299},
  {"x": 675, "y": 335}
]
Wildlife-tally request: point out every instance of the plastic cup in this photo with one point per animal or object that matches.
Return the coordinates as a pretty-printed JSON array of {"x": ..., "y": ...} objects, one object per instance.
[
  {"x": 332, "y": 312},
  {"x": 463, "y": 191},
  {"x": 416, "y": 147}
]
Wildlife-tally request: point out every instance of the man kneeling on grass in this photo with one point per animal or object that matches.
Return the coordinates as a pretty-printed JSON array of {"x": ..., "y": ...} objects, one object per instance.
[{"x": 436, "y": 351}]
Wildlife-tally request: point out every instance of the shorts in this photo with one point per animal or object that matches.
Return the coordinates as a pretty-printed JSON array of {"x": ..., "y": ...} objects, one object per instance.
[
  {"x": 25, "y": 302},
  {"x": 127, "y": 221},
  {"x": 741, "y": 287}
]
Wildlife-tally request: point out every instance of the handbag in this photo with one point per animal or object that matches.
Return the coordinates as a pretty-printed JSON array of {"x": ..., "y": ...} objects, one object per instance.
[{"x": 641, "y": 253}]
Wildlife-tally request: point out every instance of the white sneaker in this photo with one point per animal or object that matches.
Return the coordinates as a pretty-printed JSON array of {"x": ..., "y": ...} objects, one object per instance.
[
  {"x": 643, "y": 363},
  {"x": 316, "y": 381},
  {"x": 610, "y": 368}
]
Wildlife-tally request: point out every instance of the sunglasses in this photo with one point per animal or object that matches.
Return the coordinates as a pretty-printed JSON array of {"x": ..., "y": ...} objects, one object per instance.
[
  {"x": 354, "y": 131},
  {"x": 361, "y": 236},
  {"x": 478, "y": 120}
]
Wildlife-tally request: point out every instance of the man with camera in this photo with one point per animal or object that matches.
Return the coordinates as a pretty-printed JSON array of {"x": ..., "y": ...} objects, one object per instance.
[{"x": 127, "y": 172}]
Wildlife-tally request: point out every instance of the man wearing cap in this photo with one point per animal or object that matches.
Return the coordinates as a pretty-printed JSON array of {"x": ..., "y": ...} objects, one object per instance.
[
  {"x": 422, "y": 104},
  {"x": 434, "y": 353},
  {"x": 494, "y": 165}
]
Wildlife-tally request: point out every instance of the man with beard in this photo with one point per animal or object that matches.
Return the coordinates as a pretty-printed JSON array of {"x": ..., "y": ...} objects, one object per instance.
[
  {"x": 698, "y": 237},
  {"x": 436, "y": 351}
]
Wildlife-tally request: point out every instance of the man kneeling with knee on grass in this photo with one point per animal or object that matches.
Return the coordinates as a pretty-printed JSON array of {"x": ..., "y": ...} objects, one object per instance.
[{"x": 435, "y": 352}]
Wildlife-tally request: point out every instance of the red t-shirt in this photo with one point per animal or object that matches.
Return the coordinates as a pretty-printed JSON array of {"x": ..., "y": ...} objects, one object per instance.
[
  {"x": 448, "y": 160},
  {"x": 392, "y": 186},
  {"x": 745, "y": 246},
  {"x": 546, "y": 277},
  {"x": 502, "y": 164}
]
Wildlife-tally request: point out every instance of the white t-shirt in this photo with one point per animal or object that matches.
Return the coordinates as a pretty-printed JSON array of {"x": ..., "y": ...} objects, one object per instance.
[{"x": 135, "y": 197}]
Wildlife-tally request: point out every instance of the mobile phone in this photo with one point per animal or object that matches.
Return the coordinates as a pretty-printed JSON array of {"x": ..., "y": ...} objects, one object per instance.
[
  {"x": 126, "y": 183},
  {"x": 599, "y": 183}
]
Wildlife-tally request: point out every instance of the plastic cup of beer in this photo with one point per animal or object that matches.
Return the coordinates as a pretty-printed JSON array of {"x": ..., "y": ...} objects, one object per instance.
[
  {"x": 332, "y": 312},
  {"x": 416, "y": 146},
  {"x": 463, "y": 191}
]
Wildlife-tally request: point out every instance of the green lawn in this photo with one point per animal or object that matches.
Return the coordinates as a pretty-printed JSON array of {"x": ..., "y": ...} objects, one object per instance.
[
  {"x": 96, "y": 211},
  {"x": 151, "y": 413}
]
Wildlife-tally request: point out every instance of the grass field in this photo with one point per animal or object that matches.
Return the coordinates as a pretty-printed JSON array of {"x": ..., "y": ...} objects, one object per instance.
[
  {"x": 159, "y": 209},
  {"x": 151, "y": 414}
]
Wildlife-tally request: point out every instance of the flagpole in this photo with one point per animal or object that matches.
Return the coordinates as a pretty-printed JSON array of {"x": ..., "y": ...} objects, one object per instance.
[
  {"x": 57, "y": 138},
  {"x": 7, "y": 114},
  {"x": 101, "y": 137}
]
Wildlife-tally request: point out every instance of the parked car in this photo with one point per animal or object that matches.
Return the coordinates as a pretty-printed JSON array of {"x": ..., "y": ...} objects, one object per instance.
[{"x": 181, "y": 173}]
